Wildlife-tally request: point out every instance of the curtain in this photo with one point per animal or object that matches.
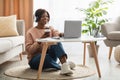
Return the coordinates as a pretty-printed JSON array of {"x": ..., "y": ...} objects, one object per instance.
[{"x": 23, "y": 9}]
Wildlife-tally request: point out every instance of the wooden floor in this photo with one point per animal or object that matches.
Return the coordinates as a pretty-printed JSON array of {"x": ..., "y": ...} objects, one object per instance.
[{"x": 110, "y": 69}]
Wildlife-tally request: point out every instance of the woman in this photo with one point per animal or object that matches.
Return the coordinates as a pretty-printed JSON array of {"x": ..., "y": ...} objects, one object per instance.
[{"x": 54, "y": 52}]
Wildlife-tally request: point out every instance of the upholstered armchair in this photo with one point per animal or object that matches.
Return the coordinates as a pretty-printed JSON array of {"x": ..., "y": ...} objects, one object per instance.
[{"x": 112, "y": 32}]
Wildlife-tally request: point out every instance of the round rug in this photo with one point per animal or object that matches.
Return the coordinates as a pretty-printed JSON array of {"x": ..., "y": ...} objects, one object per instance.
[{"x": 24, "y": 72}]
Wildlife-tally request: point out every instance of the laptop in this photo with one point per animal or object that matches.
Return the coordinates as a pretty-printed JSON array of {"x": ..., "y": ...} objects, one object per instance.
[{"x": 72, "y": 29}]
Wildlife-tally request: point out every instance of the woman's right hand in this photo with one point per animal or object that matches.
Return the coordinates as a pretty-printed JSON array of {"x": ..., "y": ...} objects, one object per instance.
[{"x": 46, "y": 34}]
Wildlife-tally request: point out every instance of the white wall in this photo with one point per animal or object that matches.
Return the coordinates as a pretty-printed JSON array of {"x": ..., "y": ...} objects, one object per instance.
[
  {"x": 61, "y": 10},
  {"x": 114, "y": 10}
]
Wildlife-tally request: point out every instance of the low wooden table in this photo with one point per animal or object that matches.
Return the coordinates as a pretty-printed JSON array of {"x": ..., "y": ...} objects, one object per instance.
[{"x": 50, "y": 41}]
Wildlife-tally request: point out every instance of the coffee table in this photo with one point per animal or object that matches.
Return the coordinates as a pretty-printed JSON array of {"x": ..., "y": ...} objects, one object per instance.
[{"x": 85, "y": 39}]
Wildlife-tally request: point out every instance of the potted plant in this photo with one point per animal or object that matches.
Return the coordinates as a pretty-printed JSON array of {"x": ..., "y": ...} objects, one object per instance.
[{"x": 95, "y": 17}]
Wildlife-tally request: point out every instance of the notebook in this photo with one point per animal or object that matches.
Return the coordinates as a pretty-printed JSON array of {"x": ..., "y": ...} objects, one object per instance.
[{"x": 72, "y": 29}]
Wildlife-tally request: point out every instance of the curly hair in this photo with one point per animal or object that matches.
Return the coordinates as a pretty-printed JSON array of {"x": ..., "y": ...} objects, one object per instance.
[{"x": 39, "y": 13}]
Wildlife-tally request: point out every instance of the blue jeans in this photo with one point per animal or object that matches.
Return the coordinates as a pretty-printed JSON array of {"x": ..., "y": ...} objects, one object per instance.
[{"x": 53, "y": 53}]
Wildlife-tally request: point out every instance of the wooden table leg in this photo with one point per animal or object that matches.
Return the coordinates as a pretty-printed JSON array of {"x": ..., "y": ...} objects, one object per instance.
[
  {"x": 45, "y": 46},
  {"x": 84, "y": 55},
  {"x": 92, "y": 44}
]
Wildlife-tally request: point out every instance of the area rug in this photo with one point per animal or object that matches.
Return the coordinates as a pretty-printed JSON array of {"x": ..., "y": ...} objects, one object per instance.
[{"x": 24, "y": 72}]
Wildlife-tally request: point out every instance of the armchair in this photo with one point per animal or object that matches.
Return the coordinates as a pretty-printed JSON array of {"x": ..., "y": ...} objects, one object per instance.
[{"x": 112, "y": 32}]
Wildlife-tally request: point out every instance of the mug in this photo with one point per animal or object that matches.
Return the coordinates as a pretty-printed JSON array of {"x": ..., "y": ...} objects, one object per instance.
[{"x": 47, "y": 31}]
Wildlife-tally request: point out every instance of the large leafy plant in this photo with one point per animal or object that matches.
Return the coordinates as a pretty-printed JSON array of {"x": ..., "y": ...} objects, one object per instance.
[{"x": 95, "y": 16}]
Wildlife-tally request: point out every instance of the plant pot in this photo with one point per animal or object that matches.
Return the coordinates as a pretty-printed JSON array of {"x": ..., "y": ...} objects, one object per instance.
[{"x": 90, "y": 50}]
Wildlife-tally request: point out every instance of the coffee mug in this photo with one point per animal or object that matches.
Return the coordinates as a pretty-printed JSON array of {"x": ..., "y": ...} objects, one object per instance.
[{"x": 47, "y": 31}]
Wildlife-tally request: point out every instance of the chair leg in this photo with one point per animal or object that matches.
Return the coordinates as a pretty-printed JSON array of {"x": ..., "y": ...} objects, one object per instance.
[
  {"x": 84, "y": 55},
  {"x": 20, "y": 55},
  {"x": 110, "y": 52}
]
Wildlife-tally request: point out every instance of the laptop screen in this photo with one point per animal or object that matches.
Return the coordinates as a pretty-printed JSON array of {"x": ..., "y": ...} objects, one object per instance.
[{"x": 72, "y": 29}]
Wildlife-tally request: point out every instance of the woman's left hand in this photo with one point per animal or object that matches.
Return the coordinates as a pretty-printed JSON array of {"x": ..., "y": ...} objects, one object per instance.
[{"x": 55, "y": 33}]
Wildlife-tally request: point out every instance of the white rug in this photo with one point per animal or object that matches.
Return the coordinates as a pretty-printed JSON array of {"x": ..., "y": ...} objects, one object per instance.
[{"x": 24, "y": 72}]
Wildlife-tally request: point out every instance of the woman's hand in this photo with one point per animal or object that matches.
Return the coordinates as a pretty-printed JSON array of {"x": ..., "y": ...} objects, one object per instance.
[
  {"x": 56, "y": 33},
  {"x": 61, "y": 34},
  {"x": 47, "y": 33}
]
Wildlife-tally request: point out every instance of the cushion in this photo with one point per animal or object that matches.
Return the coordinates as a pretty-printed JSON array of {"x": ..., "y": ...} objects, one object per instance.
[
  {"x": 114, "y": 35},
  {"x": 7, "y": 43},
  {"x": 8, "y": 26}
]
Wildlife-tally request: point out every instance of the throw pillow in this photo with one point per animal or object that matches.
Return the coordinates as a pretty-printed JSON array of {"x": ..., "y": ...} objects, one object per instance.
[{"x": 8, "y": 26}]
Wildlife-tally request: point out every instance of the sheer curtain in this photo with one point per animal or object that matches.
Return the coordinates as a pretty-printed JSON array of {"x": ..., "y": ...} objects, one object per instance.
[{"x": 61, "y": 10}]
